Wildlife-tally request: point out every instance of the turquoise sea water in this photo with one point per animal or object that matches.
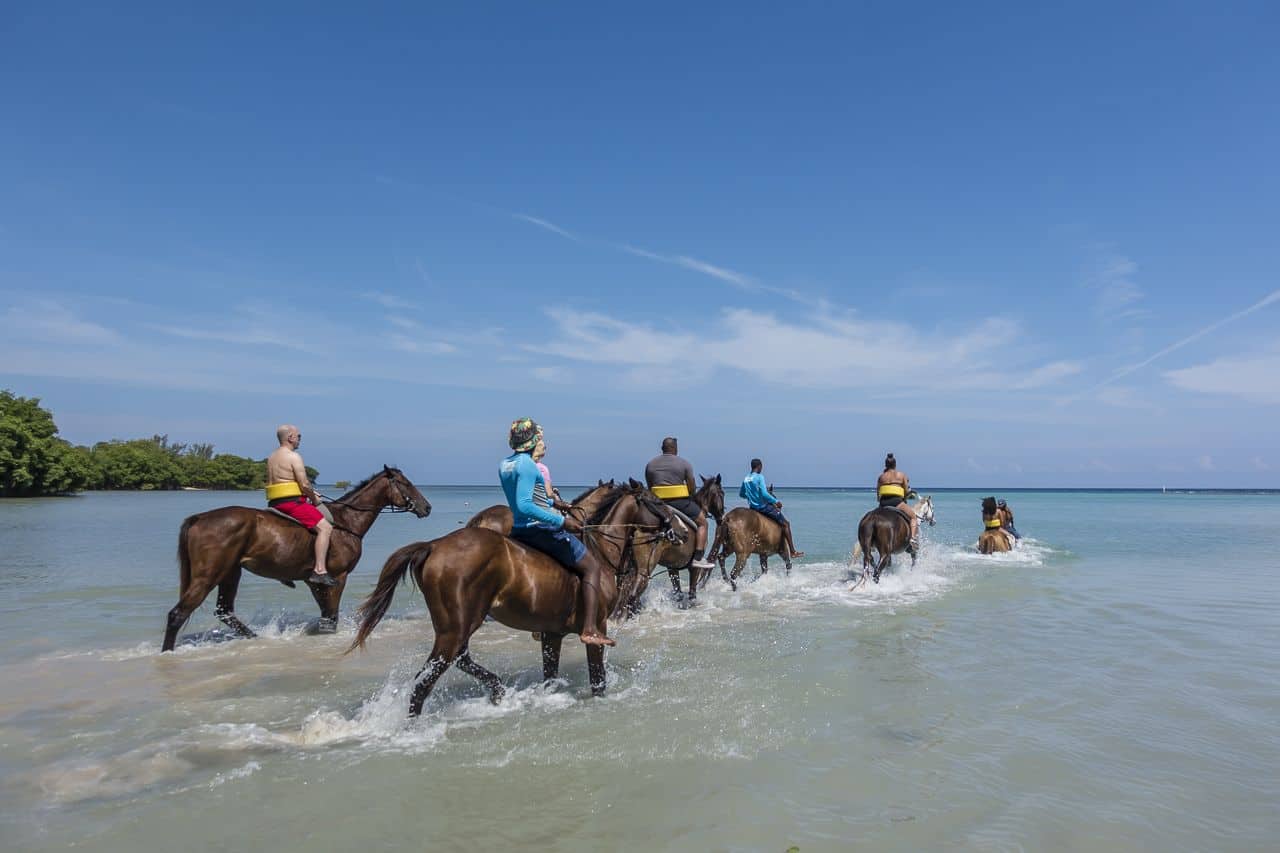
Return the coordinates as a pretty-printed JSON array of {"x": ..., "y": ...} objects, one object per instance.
[{"x": 1114, "y": 684}]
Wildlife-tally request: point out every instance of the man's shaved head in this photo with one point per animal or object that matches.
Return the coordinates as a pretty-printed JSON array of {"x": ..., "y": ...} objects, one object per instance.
[
  {"x": 282, "y": 432},
  {"x": 668, "y": 445}
]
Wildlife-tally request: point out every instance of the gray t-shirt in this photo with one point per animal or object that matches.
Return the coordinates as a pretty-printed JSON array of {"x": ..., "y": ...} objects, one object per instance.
[{"x": 667, "y": 470}]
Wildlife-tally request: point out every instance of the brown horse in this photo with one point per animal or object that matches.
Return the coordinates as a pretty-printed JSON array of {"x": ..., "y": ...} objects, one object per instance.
[
  {"x": 214, "y": 546},
  {"x": 887, "y": 530},
  {"x": 993, "y": 540},
  {"x": 675, "y": 557},
  {"x": 498, "y": 517},
  {"x": 475, "y": 572}
]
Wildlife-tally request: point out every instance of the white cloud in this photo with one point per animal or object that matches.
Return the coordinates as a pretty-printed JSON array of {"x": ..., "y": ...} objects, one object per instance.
[
  {"x": 824, "y": 352},
  {"x": 1047, "y": 375},
  {"x": 552, "y": 374},
  {"x": 53, "y": 322},
  {"x": 232, "y": 336},
  {"x": 549, "y": 226},
  {"x": 1255, "y": 378}
]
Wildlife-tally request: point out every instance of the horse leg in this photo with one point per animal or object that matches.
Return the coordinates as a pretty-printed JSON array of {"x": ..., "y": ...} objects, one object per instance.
[
  {"x": 190, "y": 599},
  {"x": 886, "y": 560},
  {"x": 739, "y": 562},
  {"x": 484, "y": 676},
  {"x": 551, "y": 655},
  {"x": 595, "y": 669},
  {"x": 786, "y": 559},
  {"x": 674, "y": 574},
  {"x": 444, "y": 651},
  {"x": 327, "y": 598},
  {"x": 226, "y": 606},
  {"x": 764, "y": 565},
  {"x": 721, "y": 560},
  {"x": 693, "y": 584}
]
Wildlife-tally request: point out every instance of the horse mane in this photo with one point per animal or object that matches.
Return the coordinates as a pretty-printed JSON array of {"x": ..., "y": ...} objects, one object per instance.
[
  {"x": 618, "y": 493},
  {"x": 367, "y": 480}
]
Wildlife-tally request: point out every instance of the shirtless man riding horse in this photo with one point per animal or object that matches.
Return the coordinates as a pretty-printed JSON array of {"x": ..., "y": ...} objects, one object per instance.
[
  {"x": 290, "y": 492},
  {"x": 892, "y": 488}
]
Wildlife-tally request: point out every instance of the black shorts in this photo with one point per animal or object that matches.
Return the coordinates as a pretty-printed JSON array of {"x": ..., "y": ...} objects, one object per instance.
[
  {"x": 891, "y": 500},
  {"x": 556, "y": 544},
  {"x": 772, "y": 512},
  {"x": 686, "y": 505}
]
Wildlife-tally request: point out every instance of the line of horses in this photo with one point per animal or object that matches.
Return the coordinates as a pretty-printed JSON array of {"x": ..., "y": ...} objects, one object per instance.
[{"x": 477, "y": 571}]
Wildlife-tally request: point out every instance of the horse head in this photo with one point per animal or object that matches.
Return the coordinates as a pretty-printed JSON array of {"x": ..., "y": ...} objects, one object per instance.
[
  {"x": 711, "y": 496},
  {"x": 653, "y": 511},
  {"x": 404, "y": 495},
  {"x": 924, "y": 510}
]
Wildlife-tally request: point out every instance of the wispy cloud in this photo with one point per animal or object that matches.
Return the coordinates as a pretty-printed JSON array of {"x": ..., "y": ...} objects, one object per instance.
[
  {"x": 549, "y": 226},
  {"x": 1205, "y": 463},
  {"x": 248, "y": 337},
  {"x": 1255, "y": 378},
  {"x": 404, "y": 343},
  {"x": 1118, "y": 292},
  {"x": 52, "y": 321},
  {"x": 388, "y": 300},
  {"x": 1191, "y": 338},
  {"x": 822, "y": 352}
]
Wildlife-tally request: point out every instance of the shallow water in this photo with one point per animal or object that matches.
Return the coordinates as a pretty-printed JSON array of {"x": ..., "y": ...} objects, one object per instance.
[{"x": 1105, "y": 686}]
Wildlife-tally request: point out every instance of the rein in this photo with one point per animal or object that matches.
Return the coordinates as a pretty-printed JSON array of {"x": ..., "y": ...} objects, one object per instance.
[{"x": 409, "y": 506}]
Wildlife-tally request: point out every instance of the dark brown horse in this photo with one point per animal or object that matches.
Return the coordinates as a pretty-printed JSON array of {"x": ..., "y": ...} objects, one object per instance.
[
  {"x": 675, "y": 557},
  {"x": 887, "y": 530},
  {"x": 214, "y": 546},
  {"x": 476, "y": 572},
  {"x": 498, "y": 517}
]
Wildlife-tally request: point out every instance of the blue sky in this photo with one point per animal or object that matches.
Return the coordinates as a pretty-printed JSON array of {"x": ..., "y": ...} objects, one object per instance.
[{"x": 1015, "y": 246}]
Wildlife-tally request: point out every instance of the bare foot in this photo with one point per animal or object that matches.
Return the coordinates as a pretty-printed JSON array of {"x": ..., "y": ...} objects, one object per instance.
[
  {"x": 594, "y": 639},
  {"x": 797, "y": 553}
]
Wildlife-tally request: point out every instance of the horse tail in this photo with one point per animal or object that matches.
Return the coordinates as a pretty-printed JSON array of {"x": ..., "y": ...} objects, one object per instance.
[
  {"x": 408, "y": 559},
  {"x": 184, "y": 557},
  {"x": 866, "y": 540}
]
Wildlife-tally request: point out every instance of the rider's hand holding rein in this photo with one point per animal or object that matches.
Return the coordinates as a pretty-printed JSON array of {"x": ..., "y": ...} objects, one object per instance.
[{"x": 572, "y": 524}]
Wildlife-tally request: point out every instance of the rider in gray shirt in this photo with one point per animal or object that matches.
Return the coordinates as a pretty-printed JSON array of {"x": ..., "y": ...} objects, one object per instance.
[{"x": 670, "y": 477}]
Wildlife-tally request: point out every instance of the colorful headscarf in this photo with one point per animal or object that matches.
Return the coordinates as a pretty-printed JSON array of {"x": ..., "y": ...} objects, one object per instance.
[{"x": 524, "y": 434}]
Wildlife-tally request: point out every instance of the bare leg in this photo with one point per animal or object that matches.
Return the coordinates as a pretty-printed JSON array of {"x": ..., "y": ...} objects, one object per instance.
[
  {"x": 791, "y": 543},
  {"x": 551, "y": 655},
  {"x": 323, "y": 531},
  {"x": 700, "y": 539},
  {"x": 594, "y": 629},
  {"x": 595, "y": 669},
  {"x": 225, "y": 609},
  {"x": 491, "y": 681}
]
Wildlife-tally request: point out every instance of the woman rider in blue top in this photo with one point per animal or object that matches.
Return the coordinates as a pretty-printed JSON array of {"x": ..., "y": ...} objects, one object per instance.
[{"x": 543, "y": 529}]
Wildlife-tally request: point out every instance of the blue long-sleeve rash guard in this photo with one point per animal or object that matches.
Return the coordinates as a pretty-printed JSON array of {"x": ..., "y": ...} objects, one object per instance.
[
  {"x": 519, "y": 474},
  {"x": 756, "y": 491}
]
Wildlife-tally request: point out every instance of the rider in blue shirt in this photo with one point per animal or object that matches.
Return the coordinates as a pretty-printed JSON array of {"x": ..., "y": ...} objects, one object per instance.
[
  {"x": 543, "y": 529},
  {"x": 755, "y": 491}
]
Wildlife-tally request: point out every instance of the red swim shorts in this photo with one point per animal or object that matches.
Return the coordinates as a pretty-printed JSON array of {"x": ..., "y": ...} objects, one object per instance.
[{"x": 300, "y": 510}]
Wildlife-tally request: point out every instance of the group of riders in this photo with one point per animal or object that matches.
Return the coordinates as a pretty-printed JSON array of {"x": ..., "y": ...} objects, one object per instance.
[{"x": 541, "y": 520}]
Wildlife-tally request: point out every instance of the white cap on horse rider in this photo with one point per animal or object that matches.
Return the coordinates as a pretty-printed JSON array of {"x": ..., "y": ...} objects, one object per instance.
[{"x": 892, "y": 488}]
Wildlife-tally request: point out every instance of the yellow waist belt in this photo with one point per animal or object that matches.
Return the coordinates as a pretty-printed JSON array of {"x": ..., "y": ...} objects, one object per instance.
[
  {"x": 993, "y": 522},
  {"x": 275, "y": 491},
  {"x": 891, "y": 490},
  {"x": 679, "y": 490}
]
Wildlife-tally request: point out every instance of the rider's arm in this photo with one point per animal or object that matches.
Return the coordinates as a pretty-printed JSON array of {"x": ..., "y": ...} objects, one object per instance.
[
  {"x": 525, "y": 477},
  {"x": 299, "y": 471}
]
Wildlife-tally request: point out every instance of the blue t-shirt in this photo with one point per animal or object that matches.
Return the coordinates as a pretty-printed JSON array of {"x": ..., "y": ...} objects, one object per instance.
[
  {"x": 520, "y": 477},
  {"x": 756, "y": 491}
]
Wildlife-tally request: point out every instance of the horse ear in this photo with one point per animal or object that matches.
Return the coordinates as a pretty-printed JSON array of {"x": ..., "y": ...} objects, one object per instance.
[
  {"x": 633, "y": 483},
  {"x": 704, "y": 479},
  {"x": 599, "y": 482},
  {"x": 386, "y": 470},
  {"x": 717, "y": 478}
]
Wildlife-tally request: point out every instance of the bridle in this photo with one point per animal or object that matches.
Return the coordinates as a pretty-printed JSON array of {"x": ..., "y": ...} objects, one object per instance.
[
  {"x": 410, "y": 505},
  {"x": 626, "y": 565}
]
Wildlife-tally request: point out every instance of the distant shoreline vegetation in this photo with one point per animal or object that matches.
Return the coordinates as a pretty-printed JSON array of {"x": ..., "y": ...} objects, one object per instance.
[{"x": 35, "y": 462}]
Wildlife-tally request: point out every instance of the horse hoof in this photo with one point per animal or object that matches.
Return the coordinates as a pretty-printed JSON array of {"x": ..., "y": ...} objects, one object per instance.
[
  {"x": 323, "y": 626},
  {"x": 496, "y": 697}
]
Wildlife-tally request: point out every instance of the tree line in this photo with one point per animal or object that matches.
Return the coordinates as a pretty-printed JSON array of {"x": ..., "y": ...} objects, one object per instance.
[{"x": 35, "y": 461}]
